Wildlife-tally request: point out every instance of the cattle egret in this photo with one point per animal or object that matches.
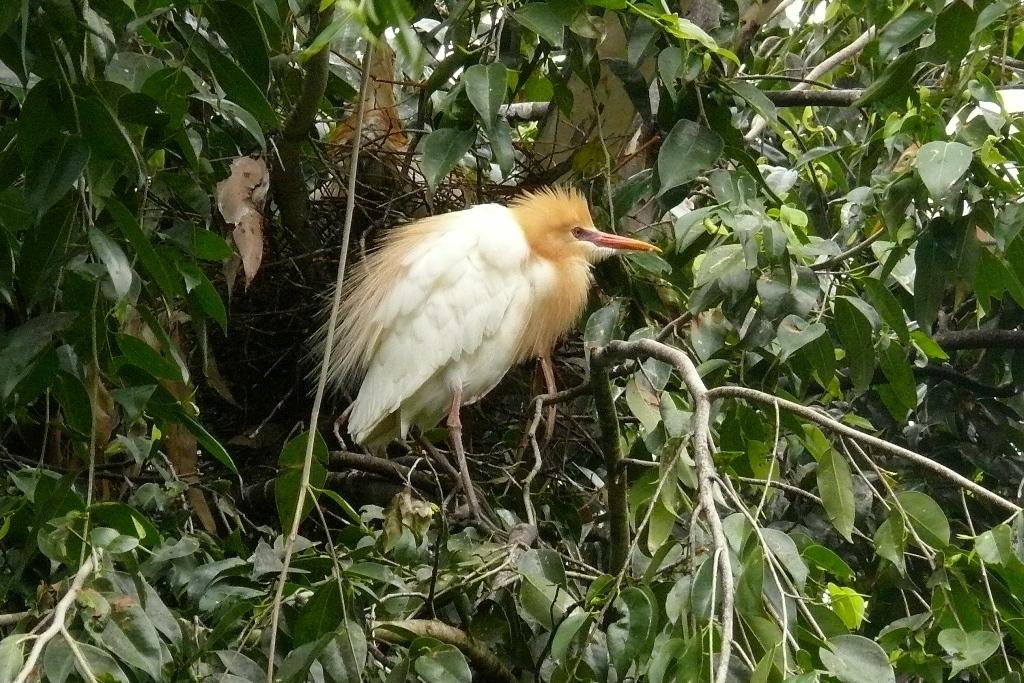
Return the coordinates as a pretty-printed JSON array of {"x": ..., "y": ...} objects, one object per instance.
[{"x": 435, "y": 316}]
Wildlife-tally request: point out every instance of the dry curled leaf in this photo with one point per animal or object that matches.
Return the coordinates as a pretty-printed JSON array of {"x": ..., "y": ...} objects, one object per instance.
[
  {"x": 240, "y": 199},
  {"x": 382, "y": 127}
]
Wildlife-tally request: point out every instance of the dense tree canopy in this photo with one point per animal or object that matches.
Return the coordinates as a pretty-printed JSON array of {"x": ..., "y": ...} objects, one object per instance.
[{"x": 789, "y": 448}]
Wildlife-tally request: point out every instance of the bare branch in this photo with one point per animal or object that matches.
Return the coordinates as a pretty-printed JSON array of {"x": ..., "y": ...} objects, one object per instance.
[
  {"x": 705, "y": 465},
  {"x": 611, "y": 446},
  {"x": 381, "y": 466},
  {"x": 13, "y": 618},
  {"x": 814, "y": 98},
  {"x": 837, "y": 427},
  {"x": 60, "y": 613},
  {"x": 825, "y": 67},
  {"x": 489, "y": 665},
  {"x": 980, "y": 339}
]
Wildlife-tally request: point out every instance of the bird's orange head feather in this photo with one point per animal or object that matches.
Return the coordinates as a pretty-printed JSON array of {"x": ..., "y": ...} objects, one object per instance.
[{"x": 558, "y": 226}]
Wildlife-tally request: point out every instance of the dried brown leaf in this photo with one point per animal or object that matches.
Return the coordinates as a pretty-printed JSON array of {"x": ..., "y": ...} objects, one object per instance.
[{"x": 240, "y": 199}]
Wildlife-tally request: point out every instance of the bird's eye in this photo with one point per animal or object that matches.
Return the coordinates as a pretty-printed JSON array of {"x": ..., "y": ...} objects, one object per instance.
[{"x": 577, "y": 232}]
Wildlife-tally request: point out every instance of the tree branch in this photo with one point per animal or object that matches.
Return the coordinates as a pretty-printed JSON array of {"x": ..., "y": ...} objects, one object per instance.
[
  {"x": 489, "y": 665},
  {"x": 980, "y": 339},
  {"x": 611, "y": 446},
  {"x": 60, "y": 613},
  {"x": 825, "y": 67},
  {"x": 286, "y": 168},
  {"x": 837, "y": 427},
  {"x": 814, "y": 98},
  {"x": 535, "y": 111},
  {"x": 951, "y": 374},
  {"x": 705, "y": 466},
  {"x": 381, "y": 466},
  {"x": 13, "y": 618}
]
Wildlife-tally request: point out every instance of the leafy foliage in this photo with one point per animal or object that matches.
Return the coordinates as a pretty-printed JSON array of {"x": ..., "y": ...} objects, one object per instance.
[{"x": 863, "y": 257}]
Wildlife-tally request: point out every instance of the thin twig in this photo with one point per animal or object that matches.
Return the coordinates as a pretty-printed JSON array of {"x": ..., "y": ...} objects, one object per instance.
[{"x": 322, "y": 383}]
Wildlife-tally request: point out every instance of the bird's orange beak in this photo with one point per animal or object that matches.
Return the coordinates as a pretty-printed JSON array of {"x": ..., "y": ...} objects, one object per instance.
[{"x": 610, "y": 241}]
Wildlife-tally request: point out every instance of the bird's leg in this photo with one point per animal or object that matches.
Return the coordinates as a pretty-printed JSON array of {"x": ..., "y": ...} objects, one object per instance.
[
  {"x": 455, "y": 430},
  {"x": 547, "y": 368},
  {"x": 341, "y": 423}
]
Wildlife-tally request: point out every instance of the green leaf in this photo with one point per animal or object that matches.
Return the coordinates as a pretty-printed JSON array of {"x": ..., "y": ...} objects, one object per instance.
[
  {"x": 628, "y": 635},
  {"x": 565, "y": 633},
  {"x": 757, "y": 99},
  {"x": 895, "y": 80},
  {"x": 323, "y": 39},
  {"x": 848, "y": 604},
  {"x": 835, "y": 484},
  {"x": 237, "y": 664},
  {"x": 207, "y": 441},
  {"x": 101, "y": 665},
  {"x": 54, "y": 168},
  {"x": 855, "y": 659},
  {"x": 75, "y": 405},
  {"x": 344, "y": 657},
  {"x": 543, "y": 594},
  {"x": 500, "y": 135},
  {"x": 928, "y": 346},
  {"x": 151, "y": 261},
  {"x": 287, "y": 486},
  {"x": 785, "y": 550},
  {"x": 925, "y": 517},
  {"x": 688, "y": 150},
  {"x": 130, "y": 635},
  {"x": 601, "y": 326},
  {"x": 825, "y": 559},
  {"x": 20, "y": 347},
  {"x": 891, "y": 541},
  {"x": 110, "y": 254},
  {"x": 795, "y": 332},
  {"x": 930, "y": 279},
  {"x": 321, "y": 614},
  {"x": 12, "y": 655},
  {"x": 941, "y": 165},
  {"x": 666, "y": 652},
  {"x": 542, "y": 20},
  {"x": 888, "y": 306},
  {"x": 968, "y": 649},
  {"x": 690, "y": 226},
  {"x": 903, "y": 29},
  {"x": 443, "y": 664},
  {"x": 58, "y": 661},
  {"x": 142, "y": 355},
  {"x": 485, "y": 87},
  {"x": 896, "y": 367},
  {"x": 719, "y": 262},
  {"x": 237, "y": 84},
  {"x": 297, "y": 663},
  {"x": 442, "y": 150},
  {"x": 856, "y": 334}
]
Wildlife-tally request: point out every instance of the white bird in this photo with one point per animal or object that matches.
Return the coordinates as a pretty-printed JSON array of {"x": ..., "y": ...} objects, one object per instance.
[{"x": 436, "y": 315}]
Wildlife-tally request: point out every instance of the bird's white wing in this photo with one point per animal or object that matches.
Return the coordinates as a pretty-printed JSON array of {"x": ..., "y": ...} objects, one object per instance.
[{"x": 464, "y": 286}]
